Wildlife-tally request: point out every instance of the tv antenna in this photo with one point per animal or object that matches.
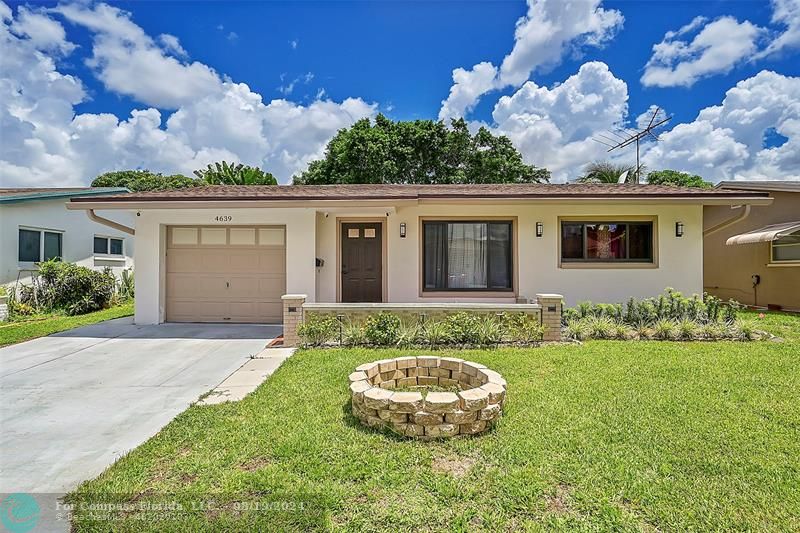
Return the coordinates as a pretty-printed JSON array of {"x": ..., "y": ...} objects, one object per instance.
[{"x": 622, "y": 137}]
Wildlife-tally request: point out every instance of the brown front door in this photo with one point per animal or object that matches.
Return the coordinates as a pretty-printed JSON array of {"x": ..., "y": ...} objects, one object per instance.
[{"x": 362, "y": 258}]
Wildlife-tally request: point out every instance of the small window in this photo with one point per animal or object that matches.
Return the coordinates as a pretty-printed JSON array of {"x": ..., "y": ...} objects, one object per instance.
[
  {"x": 38, "y": 245},
  {"x": 607, "y": 242},
  {"x": 107, "y": 246},
  {"x": 467, "y": 256},
  {"x": 100, "y": 245},
  {"x": 786, "y": 249}
]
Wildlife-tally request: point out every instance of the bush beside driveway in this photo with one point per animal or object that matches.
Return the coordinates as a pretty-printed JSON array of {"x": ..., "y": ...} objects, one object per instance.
[{"x": 604, "y": 435}]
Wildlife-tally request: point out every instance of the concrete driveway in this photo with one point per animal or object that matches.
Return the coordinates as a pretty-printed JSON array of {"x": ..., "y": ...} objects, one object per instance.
[{"x": 74, "y": 402}]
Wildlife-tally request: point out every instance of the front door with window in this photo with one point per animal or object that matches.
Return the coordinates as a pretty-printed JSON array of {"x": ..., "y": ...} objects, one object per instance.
[{"x": 362, "y": 262}]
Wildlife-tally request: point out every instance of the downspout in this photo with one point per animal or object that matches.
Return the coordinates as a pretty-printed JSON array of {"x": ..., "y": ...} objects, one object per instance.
[
  {"x": 722, "y": 225},
  {"x": 110, "y": 223}
]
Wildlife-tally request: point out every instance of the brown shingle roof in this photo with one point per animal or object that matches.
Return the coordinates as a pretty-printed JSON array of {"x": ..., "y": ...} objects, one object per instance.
[{"x": 414, "y": 192}]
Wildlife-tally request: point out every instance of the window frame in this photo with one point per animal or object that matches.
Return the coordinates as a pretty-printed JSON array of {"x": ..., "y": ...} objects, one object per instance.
[
  {"x": 605, "y": 263},
  {"x": 108, "y": 239},
  {"x": 42, "y": 232},
  {"x": 783, "y": 262},
  {"x": 471, "y": 292}
]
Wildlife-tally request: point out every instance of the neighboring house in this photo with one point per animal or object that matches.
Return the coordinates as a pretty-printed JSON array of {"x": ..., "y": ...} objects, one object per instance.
[
  {"x": 755, "y": 260},
  {"x": 228, "y": 253},
  {"x": 35, "y": 225}
]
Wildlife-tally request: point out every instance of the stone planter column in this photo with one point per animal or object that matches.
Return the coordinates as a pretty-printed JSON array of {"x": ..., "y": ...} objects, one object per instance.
[
  {"x": 292, "y": 317},
  {"x": 551, "y": 315},
  {"x": 3, "y": 308}
]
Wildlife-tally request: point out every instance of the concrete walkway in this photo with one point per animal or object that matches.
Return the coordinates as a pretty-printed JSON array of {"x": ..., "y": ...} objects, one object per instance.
[
  {"x": 74, "y": 402},
  {"x": 248, "y": 377}
]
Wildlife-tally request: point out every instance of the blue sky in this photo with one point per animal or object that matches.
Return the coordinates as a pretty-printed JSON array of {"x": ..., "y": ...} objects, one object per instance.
[{"x": 268, "y": 83}]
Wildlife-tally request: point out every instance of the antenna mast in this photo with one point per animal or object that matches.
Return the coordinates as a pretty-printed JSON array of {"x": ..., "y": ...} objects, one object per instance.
[{"x": 622, "y": 137}]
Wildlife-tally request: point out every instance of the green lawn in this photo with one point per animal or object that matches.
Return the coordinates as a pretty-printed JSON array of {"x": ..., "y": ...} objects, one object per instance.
[
  {"x": 14, "y": 332},
  {"x": 608, "y": 435}
]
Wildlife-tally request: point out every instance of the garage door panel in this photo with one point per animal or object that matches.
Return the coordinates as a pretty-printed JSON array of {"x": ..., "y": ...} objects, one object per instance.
[
  {"x": 237, "y": 282},
  {"x": 203, "y": 287},
  {"x": 269, "y": 259}
]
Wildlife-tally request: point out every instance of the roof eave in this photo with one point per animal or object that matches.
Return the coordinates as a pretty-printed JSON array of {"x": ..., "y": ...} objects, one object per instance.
[
  {"x": 57, "y": 195},
  {"x": 193, "y": 203}
]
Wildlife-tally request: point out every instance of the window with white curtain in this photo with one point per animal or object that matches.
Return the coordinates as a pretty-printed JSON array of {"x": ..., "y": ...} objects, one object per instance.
[{"x": 467, "y": 256}]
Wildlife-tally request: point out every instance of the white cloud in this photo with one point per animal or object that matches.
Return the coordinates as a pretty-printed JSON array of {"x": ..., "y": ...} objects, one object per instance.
[
  {"x": 172, "y": 44},
  {"x": 784, "y": 13},
  {"x": 468, "y": 86},
  {"x": 45, "y": 143},
  {"x": 233, "y": 36},
  {"x": 293, "y": 43},
  {"x": 42, "y": 31},
  {"x": 554, "y": 127},
  {"x": 715, "y": 49},
  {"x": 549, "y": 30},
  {"x": 726, "y": 141},
  {"x": 129, "y": 62}
]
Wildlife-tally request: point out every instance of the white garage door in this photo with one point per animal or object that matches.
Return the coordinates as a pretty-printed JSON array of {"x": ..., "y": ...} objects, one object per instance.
[{"x": 225, "y": 274}]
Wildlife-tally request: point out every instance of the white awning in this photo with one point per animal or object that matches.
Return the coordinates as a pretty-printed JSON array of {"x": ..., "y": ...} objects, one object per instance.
[{"x": 765, "y": 234}]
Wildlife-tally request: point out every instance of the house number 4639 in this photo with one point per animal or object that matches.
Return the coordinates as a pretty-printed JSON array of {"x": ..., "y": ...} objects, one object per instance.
[{"x": 223, "y": 218}]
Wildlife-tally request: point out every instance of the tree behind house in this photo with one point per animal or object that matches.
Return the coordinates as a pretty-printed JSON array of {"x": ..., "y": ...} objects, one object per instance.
[
  {"x": 607, "y": 172},
  {"x": 144, "y": 180},
  {"x": 674, "y": 177},
  {"x": 224, "y": 173},
  {"x": 419, "y": 152}
]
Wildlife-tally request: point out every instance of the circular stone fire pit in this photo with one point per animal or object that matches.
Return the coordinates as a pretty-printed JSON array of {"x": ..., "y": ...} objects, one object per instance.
[{"x": 474, "y": 405}]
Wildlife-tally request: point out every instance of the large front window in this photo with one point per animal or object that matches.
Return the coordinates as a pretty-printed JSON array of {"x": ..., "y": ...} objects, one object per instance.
[
  {"x": 467, "y": 256},
  {"x": 606, "y": 242},
  {"x": 786, "y": 248}
]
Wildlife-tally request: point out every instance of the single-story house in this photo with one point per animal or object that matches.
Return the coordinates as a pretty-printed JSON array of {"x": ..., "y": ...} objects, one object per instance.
[
  {"x": 754, "y": 257},
  {"x": 36, "y": 226},
  {"x": 229, "y": 253}
]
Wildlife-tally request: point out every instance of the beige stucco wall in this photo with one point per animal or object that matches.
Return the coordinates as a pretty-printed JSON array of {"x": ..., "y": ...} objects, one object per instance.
[
  {"x": 728, "y": 269},
  {"x": 151, "y": 245},
  {"x": 680, "y": 259},
  {"x": 311, "y": 233}
]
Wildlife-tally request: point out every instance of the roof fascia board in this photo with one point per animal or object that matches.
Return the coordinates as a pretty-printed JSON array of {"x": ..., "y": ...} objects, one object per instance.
[
  {"x": 29, "y": 197},
  {"x": 244, "y": 204}
]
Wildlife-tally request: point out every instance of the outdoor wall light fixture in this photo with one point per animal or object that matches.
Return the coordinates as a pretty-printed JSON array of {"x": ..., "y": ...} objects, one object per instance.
[
  {"x": 402, "y": 230},
  {"x": 539, "y": 229},
  {"x": 679, "y": 229}
]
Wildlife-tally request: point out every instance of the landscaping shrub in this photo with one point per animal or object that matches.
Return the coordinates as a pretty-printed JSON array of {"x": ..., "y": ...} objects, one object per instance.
[
  {"x": 667, "y": 316},
  {"x": 664, "y": 329},
  {"x": 69, "y": 287},
  {"x": 490, "y": 332},
  {"x": 408, "y": 335},
  {"x": 382, "y": 329},
  {"x": 522, "y": 328},
  {"x": 435, "y": 334},
  {"x": 463, "y": 327},
  {"x": 126, "y": 285},
  {"x": 353, "y": 335},
  {"x": 317, "y": 330},
  {"x": 687, "y": 329}
]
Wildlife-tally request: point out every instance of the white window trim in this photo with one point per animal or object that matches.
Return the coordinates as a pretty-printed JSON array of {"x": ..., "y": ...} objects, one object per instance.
[
  {"x": 31, "y": 265},
  {"x": 109, "y": 256}
]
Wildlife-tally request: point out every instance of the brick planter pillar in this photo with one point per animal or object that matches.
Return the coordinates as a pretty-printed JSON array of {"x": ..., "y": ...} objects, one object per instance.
[
  {"x": 292, "y": 316},
  {"x": 551, "y": 315}
]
